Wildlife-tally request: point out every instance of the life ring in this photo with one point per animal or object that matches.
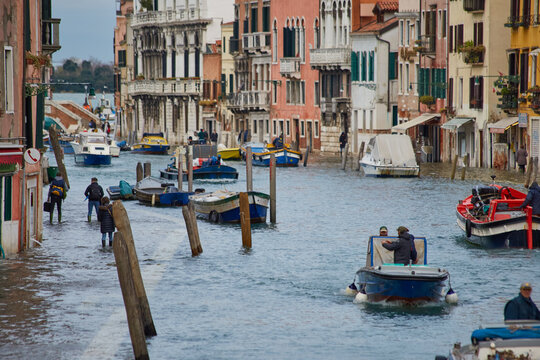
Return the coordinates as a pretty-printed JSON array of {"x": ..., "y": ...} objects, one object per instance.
[
  {"x": 214, "y": 216},
  {"x": 468, "y": 227}
]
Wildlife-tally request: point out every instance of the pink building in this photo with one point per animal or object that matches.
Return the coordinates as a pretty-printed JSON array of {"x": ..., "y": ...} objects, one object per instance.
[{"x": 294, "y": 109}]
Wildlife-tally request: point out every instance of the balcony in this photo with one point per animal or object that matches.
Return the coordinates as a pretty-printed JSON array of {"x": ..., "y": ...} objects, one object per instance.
[
  {"x": 330, "y": 58},
  {"x": 174, "y": 87},
  {"x": 50, "y": 38},
  {"x": 426, "y": 44},
  {"x": 335, "y": 105},
  {"x": 290, "y": 67},
  {"x": 525, "y": 21},
  {"x": 474, "y": 5},
  {"x": 153, "y": 18},
  {"x": 256, "y": 42},
  {"x": 249, "y": 101},
  {"x": 472, "y": 54}
]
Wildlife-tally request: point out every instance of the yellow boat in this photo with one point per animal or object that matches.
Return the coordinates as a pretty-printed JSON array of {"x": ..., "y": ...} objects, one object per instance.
[
  {"x": 230, "y": 154},
  {"x": 152, "y": 144}
]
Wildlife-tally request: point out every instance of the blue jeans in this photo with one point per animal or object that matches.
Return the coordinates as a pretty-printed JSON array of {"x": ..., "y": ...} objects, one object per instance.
[
  {"x": 104, "y": 236},
  {"x": 95, "y": 204}
]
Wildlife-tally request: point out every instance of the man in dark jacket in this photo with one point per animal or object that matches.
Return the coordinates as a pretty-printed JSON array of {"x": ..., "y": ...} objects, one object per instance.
[
  {"x": 105, "y": 216},
  {"x": 94, "y": 193},
  {"x": 404, "y": 249},
  {"x": 342, "y": 142},
  {"x": 533, "y": 198},
  {"x": 57, "y": 193},
  {"x": 522, "y": 307}
]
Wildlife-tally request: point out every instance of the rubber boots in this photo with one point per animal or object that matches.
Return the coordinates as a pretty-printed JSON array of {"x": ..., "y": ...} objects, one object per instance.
[
  {"x": 103, "y": 243},
  {"x": 89, "y": 218},
  {"x": 110, "y": 242},
  {"x": 59, "y": 218},
  {"x": 50, "y": 217}
]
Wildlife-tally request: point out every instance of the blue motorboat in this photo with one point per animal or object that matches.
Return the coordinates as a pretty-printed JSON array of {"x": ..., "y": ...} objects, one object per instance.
[
  {"x": 223, "y": 206},
  {"x": 203, "y": 169},
  {"x": 382, "y": 280},
  {"x": 285, "y": 157}
]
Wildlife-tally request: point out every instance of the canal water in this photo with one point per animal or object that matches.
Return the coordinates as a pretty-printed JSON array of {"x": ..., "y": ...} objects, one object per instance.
[{"x": 284, "y": 299}]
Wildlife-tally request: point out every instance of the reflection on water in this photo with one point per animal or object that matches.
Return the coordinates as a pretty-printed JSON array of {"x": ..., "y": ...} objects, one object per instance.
[{"x": 283, "y": 299}]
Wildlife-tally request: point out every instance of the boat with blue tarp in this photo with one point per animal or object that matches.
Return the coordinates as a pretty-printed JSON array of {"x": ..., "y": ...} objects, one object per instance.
[
  {"x": 382, "y": 280},
  {"x": 203, "y": 169},
  {"x": 122, "y": 191},
  {"x": 152, "y": 143},
  {"x": 223, "y": 206}
]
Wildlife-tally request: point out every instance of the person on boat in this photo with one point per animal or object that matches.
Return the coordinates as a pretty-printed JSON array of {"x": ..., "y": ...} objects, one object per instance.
[
  {"x": 533, "y": 198},
  {"x": 404, "y": 249},
  {"x": 522, "y": 307},
  {"x": 94, "y": 193},
  {"x": 383, "y": 231},
  {"x": 57, "y": 194},
  {"x": 108, "y": 128},
  {"x": 278, "y": 142},
  {"x": 107, "y": 221},
  {"x": 342, "y": 141},
  {"x": 521, "y": 158}
]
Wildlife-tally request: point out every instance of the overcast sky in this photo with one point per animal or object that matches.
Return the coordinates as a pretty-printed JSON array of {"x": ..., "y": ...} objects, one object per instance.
[{"x": 86, "y": 29}]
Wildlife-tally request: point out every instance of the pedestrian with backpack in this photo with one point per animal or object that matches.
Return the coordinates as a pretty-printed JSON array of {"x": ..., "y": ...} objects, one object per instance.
[
  {"x": 57, "y": 193},
  {"x": 94, "y": 193},
  {"x": 105, "y": 216}
]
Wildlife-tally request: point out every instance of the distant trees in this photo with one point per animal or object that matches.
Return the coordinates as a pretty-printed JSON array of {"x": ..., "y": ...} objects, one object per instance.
[{"x": 92, "y": 71}]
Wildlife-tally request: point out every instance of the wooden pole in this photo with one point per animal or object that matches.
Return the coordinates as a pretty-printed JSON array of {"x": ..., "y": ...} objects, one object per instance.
[
  {"x": 58, "y": 154},
  {"x": 134, "y": 318},
  {"x": 188, "y": 212},
  {"x": 245, "y": 220},
  {"x": 535, "y": 168},
  {"x": 344, "y": 157},
  {"x": 147, "y": 169},
  {"x": 306, "y": 155},
  {"x": 529, "y": 172},
  {"x": 139, "y": 172},
  {"x": 528, "y": 211},
  {"x": 190, "y": 169},
  {"x": 179, "y": 168},
  {"x": 249, "y": 172},
  {"x": 465, "y": 165},
  {"x": 360, "y": 155},
  {"x": 121, "y": 220},
  {"x": 454, "y": 165},
  {"x": 273, "y": 188}
]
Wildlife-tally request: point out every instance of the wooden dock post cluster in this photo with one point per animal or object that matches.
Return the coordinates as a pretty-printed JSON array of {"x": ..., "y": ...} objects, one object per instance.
[
  {"x": 463, "y": 169},
  {"x": 58, "y": 154},
  {"x": 140, "y": 320},
  {"x": 147, "y": 169},
  {"x": 139, "y": 172}
]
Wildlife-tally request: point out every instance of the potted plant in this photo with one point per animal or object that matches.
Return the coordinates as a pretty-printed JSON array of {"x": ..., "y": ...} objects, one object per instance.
[
  {"x": 534, "y": 90},
  {"x": 139, "y": 77},
  {"x": 37, "y": 61},
  {"x": 427, "y": 100},
  {"x": 472, "y": 54}
]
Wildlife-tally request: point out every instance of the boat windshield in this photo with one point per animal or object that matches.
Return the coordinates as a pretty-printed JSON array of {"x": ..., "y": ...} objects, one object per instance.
[{"x": 379, "y": 255}]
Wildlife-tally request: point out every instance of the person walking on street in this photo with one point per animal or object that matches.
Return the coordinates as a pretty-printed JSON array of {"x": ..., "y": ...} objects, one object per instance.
[
  {"x": 214, "y": 137},
  {"x": 94, "y": 193},
  {"x": 57, "y": 193},
  {"x": 522, "y": 307},
  {"x": 533, "y": 198},
  {"x": 521, "y": 158},
  {"x": 107, "y": 221}
]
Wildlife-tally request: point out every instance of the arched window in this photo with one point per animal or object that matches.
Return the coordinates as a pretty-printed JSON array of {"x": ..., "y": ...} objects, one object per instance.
[
  {"x": 303, "y": 41},
  {"x": 274, "y": 42},
  {"x": 316, "y": 34}
]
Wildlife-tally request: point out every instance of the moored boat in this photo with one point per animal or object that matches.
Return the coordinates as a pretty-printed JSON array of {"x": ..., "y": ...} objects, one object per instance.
[
  {"x": 203, "y": 169},
  {"x": 152, "y": 143},
  {"x": 285, "y": 156},
  {"x": 513, "y": 340},
  {"x": 153, "y": 191},
  {"x": 490, "y": 217},
  {"x": 390, "y": 155},
  {"x": 229, "y": 153},
  {"x": 92, "y": 148},
  {"x": 122, "y": 191},
  {"x": 224, "y": 206},
  {"x": 382, "y": 280}
]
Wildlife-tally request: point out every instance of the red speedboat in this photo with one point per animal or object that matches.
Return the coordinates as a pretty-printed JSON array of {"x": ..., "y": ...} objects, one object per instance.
[{"x": 491, "y": 218}]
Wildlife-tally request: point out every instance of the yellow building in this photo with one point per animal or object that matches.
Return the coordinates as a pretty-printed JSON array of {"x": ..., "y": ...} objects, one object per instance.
[{"x": 524, "y": 22}]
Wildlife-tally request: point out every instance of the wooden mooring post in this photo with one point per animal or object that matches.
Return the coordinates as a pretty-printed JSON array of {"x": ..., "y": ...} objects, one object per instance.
[
  {"x": 273, "y": 188},
  {"x": 121, "y": 220},
  {"x": 147, "y": 169},
  {"x": 344, "y": 156},
  {"x": 529, "y": 172},
  {"x": 245, "y": 220},
  {"x": 178, "y": 155},
  {"x": 249, "y": 169},
  {"x": 139, "y": 172},
  {"x": 188, "y": 211},
  {"x": 133, "y": 310},
  {"x": 360, "y": 155},
  {"x": 535, "y": 162},
  {"x": 465, "y": 165},
  {"x": 454, "y": 165},
  {"x": 58, "y": 154},
  {"x": 189, "y": 157},
  {"x": 306, "y": 155}
]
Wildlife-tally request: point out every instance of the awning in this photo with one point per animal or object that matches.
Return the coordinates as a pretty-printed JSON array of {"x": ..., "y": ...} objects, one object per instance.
[
  {"x": 455, "y": 123},
  {"x": 502, "y": 125},
  {"x": 414, "y": 122},
  {"x": 11, "y": 154}
]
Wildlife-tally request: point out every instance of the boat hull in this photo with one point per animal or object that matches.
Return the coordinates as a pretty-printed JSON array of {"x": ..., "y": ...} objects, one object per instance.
[
  {"x": 213, "y": 172},
  {"x": 284, "y": 158},
  {"x": 402, "y": 283},
  {"x": 227, "y": 210},
  {"x": 151, "y": 149},
  {"x": 92, "y": 159},
  {"x": 230, "y": 154},
  {"x": 389, "y": 171},
  {"x": 151, "y": 197},
  {"x": 509, "y": 233}
]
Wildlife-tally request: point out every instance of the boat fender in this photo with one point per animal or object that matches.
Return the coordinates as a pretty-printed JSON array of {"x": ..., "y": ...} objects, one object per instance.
[
  {"x": 351, "y": 290},
  {"x": 413, "y": 272},
  {"x": 468, "y": 227},
  {"x": 451, "y": 297},
  {"x": 360, "y": 298}
]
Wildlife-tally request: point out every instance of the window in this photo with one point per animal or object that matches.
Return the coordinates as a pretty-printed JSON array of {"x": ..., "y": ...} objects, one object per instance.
[
  {"x": 459, "y": 36},
  {"x": 451, "y": 40},
  {"x": 450, "y": 92},
  {"x": 274, "y": 43},
  {"x": 417, "y": 78},
  {"x": 316, "y": 35},
  {"x": 296, "y": 92},
  {"x": 231, "y": 83},
  {"x": 363, "y": 76},
  {"x": 274, "y": 92},
  {"x": 534, "y": 61},
  {"x": 407, "y": 80},
  {"x": 280, "y": 127},
  {"x": 266, "y": 19},
  {"x": 439, "y": 30},
  {"x": 223, "y": 50},
  {"x": 288, "y": 128},
  {"x": 401, "y": 77},
  {"x": 121, "y": 58},
  {"x": 302, "y": 129},
  {"x": 274, "y": 122},
  {"x": 372, "y": 65},
  {"x": 407, "y": 34},
  {"x": 393, "y": 66},
  {"x": 267, "y": 127},
  {"x": 401, "y": 38},
  {"x": 354, "y": 66},
  {"x": 254, "y": 13},
  {"x": 254, "y": 126},
  {"x": 9, "y": 100},
  {"x": 7, "y": 196},
  {"x": 443, "y": 26},
  {"x": 317, "y": 98},
  {"x": 460, "y": 93},
  {"x": 303, "y": 92},
  {"x": 524, "y": 72},
  {"x": 289, "y": 41},
  {"x": 316, "y": 129},
  {"x": 476, "y": 90}
]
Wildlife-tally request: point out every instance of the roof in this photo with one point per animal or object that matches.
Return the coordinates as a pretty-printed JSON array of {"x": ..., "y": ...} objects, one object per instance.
[
  {"x": 377, "y": 27},
  {"x": 387, "y": 6}
]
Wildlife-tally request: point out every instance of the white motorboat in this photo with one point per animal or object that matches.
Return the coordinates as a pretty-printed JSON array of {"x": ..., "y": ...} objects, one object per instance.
[
  {"x": 390, "y": 155},
  {"x": 92, "y": 148}
]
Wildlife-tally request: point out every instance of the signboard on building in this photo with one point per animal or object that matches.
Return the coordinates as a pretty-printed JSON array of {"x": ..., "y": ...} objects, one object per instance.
[{"x": 522, "y": 120}]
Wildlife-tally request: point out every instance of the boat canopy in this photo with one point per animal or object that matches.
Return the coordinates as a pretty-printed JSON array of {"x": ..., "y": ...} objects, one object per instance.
[
  {"x": 379, "y": 255},
  {"x": 393, "y": 150}
]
